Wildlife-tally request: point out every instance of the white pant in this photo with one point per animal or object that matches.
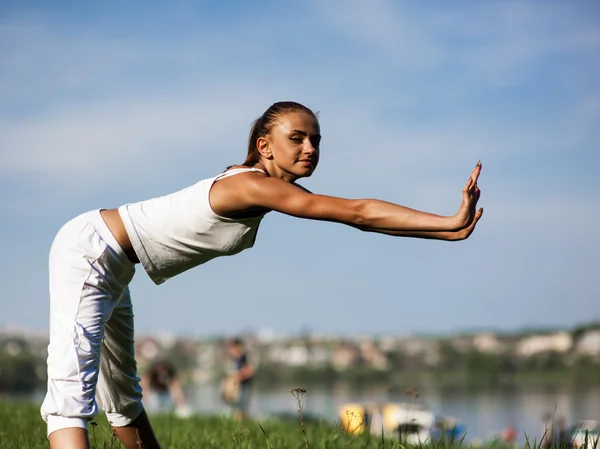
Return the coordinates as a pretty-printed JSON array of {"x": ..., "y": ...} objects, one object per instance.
[{"x": 91, "y": 356}]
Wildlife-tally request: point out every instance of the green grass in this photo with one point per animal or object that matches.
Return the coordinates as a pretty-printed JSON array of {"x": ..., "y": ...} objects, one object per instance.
[{"x": 21, "y": 427}]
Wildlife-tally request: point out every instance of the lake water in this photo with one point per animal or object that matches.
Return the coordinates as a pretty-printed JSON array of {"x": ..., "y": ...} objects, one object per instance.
[{"x": 483, "y": 412}]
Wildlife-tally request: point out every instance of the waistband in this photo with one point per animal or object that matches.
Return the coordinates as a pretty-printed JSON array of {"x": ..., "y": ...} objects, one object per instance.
[{"x": 96, "y": 220}]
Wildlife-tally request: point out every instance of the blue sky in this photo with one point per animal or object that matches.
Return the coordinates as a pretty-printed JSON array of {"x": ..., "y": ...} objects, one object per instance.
[{"x": 106, "y": 104}]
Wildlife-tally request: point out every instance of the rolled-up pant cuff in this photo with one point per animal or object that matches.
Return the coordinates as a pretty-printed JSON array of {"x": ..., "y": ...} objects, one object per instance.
[
  {"x": 56, "y": 422},
  {"x": 126, "y": 417}
]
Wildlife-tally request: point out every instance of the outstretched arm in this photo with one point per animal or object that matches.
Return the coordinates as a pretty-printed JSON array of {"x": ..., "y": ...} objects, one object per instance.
[
  {"x": 449, "y": 236},
  {"x": 366, "y": 214}
]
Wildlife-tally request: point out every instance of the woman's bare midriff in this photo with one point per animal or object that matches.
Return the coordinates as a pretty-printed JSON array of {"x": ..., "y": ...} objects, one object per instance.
[{"x": 113, "y": 220}]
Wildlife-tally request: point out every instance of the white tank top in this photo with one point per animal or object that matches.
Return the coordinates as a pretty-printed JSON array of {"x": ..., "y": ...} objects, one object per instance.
[{"x": 173, "y": 233}]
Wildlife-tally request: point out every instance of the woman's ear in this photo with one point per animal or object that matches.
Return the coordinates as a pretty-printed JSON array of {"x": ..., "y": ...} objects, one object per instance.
[{"x": 263, "y": 147}]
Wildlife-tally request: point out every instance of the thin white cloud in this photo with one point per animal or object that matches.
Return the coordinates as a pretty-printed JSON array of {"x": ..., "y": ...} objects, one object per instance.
[
  {"x": 99, "y": 135},
  {"x": 401, "y": 42},
  {"x": 498, "y": 43},
  {"x": 519, "y": 36}
]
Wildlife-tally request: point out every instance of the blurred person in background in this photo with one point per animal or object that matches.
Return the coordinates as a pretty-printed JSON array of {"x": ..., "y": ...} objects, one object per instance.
[
  {"x": 162, "y": 389},
  {"x": 235, "y": 388}
]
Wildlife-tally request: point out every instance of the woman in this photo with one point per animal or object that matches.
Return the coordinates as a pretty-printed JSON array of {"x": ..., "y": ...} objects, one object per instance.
[{"x": 92, "y": 260}]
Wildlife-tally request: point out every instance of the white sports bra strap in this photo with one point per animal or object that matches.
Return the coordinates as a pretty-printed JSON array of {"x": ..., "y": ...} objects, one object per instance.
[{"x": 235, "y": 171}]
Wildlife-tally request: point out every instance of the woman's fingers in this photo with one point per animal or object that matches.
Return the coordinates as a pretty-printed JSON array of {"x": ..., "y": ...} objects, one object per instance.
[
  {"x": 476, "y": 172},
  {"x": 469, "y": 230},
  {"x": 468, "y": 185},
  {"x": 476, "y": 218},
  {"x": 471, "y": 192},
  {"x": 477, "y": 194},
  {"x": 472, "y": 181}
]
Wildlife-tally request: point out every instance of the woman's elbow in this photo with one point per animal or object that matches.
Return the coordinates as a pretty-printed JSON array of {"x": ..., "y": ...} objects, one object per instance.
[{"x": 359, "y": 216}]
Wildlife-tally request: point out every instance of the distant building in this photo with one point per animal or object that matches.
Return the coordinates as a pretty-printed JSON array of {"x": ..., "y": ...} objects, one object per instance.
[
  {"x": 373, "y": 357},
  {"x": 558, "y": 342},
  {"x": 589, "y": 344},
  {"x": 488, "y": 343},
  {"x": 344, "y": 356}
]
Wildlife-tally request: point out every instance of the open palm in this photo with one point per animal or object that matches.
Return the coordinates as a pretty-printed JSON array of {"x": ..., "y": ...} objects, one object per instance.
[{"x": 470, "y": 196}]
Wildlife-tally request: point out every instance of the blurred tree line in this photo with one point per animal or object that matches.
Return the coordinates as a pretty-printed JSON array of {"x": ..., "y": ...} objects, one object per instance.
[{"x": 453, "y": 362}]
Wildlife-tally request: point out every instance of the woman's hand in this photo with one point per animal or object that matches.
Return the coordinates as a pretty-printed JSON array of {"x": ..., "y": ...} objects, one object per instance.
[
  {"x": 470, "y": 195},
  {"x": 464, "y": 234}
]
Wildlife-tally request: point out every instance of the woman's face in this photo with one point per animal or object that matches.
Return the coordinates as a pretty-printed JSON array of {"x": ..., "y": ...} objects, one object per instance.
[{"x": 294, "y": 145}]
